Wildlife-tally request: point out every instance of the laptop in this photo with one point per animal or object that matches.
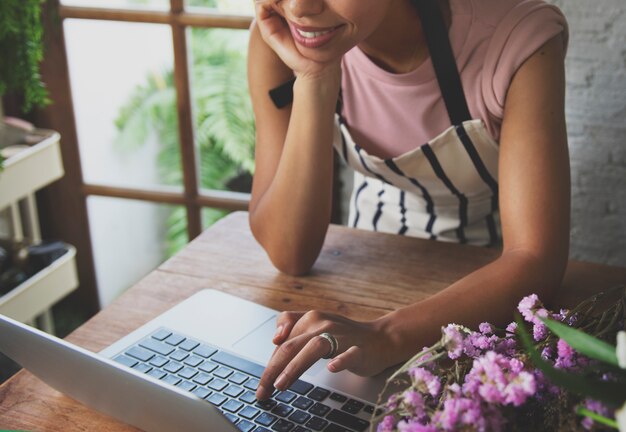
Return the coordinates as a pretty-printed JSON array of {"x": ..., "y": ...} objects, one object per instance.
[{"x": 195, "y": 368}]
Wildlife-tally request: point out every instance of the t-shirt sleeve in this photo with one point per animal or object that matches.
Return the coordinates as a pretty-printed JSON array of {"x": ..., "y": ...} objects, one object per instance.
[{"x": 522, "y": 31}]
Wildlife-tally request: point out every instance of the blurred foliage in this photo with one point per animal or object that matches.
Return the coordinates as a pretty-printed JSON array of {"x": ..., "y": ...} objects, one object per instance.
[
  {"x": 21, "y": 51},
  {"x": 223, "y": 120}
]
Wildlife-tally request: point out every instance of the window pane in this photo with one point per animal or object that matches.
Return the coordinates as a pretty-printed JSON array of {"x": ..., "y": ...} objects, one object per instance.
[
  {"x": 236, "y": 7},
  {"x": 124, "y": 102},
  {"x": 120, "y": 4},
  {"x": 130, "y": 239},
  {"x": 224, "y": 122}
]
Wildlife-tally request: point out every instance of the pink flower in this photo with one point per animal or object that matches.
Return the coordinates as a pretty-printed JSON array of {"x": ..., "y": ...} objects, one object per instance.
[
  {"x": 425, "y": 382},
  {"x": 387, "y": 425},
  {"x": 414, "y": 426},
  {"x": 453, "y": 340},
  {"x": 566, "y": 356},
  {"x": 485, "y": 328}
]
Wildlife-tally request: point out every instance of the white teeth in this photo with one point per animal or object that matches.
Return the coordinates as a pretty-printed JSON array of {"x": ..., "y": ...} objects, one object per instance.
[{"x": 310, "y": 35}]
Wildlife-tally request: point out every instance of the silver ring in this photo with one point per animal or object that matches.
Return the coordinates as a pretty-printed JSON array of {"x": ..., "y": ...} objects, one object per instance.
[{"x": 334, "y": 345}]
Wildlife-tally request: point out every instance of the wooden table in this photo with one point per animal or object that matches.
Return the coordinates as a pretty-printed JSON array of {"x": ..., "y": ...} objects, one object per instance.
[{"x": 360, "y": 274}]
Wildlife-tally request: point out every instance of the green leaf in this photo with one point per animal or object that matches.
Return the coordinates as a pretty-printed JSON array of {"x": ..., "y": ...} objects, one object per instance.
[
  {"x": 583, "y": 343},
  {"x": 608, "y": 392},
  {"x": 596, "y": 417}
]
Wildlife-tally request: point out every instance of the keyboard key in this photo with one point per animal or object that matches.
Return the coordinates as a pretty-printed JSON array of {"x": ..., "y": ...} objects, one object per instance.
[
  {"x": 245, "y": 426},
  {"x": 201, "y": 392},
  {"x": 233, "y": 391},
  {"x": 303, "y": 403},
  {"x": 318, "y": 394},
  {"x": 267, "y": 404},
  {"x": 369, "y": 409},
  {"x": 252, "y": 384},
  {"x": 319, "y": 409},
  {"x": 158, "y": 361},
  {"x": 282, "y": 410},
  {"x": 204, "y": 351},
  {"x": 179, "y": 355},
  {"x": 265, "y": 419},
  {"x": 157, "y": 347},
  {"x": 188, "y": 372},
  {"x": 208, "y": 366},
  {"x": 299, "y": 417},
  {"x": 248, "y": 397},
  {"x": 186, "y": 385},
  {"x": 158, "y": 374},
  {"x": 174, "y": 339},
  {"x": 142, "y": 367},
  {"x": 282, "y": 426},
  {"x": 232, "y": 405},
  {"x": 172, "y": 379},
  {"x": 139, "y": 353},
  {"x": 261, "y": 429},
  {"x": 239, "y": 364},
  {"x": 231, "y": 418},
  {"x": 223, "y": 372},
  {"x": 193, "y": 361},
  {"x": 189, "y": 345},
  {"x": 286, "y": 396},
  {"x": 173, "y": 367},
  {"x": 238, "y": 378},
  {"x": 202, "y": 378},
  {"x": 348, "y": 420},
  {"x": 301, "y": 387},
  {"x": 217, "y": 399},
  {"x": 126, "y": 361},
  {"x": 249, "y": 412},
  {"x": 352, "y": 406},
  {"x": 301, "y": 429},
  {"x": 218, "y": 384},
  {"x": 316, "y": 423},
  {"x": 338, "y": 397},
  {"x": 161, "y": 334}
]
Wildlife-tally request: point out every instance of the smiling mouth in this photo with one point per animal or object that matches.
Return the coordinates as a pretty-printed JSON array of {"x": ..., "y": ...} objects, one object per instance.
[{"x": 312, "y": 37}]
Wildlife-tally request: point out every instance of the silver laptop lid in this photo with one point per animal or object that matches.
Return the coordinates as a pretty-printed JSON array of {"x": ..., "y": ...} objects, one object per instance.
[{"x": 106, "y": 386}]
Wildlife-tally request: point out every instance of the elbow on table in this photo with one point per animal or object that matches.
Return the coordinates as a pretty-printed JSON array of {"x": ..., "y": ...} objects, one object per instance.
[{"x": 294, "y": 260}]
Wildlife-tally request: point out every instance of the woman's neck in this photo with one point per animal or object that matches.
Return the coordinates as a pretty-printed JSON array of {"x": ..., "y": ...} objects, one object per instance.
[{"x": 398, "y": 45}]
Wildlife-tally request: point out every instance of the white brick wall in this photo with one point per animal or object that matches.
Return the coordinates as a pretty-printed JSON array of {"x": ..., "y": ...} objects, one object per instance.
[{"x": 596, "y": 117}]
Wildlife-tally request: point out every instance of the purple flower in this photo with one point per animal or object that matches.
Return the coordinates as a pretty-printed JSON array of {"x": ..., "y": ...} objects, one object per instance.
[
  {"x": 485, "y": 328},
  {"x": 425, "y": 382},
  {"x": 499, "y": 379},
  {"x": 540, "y": 331},
  {"x": 387, "y": 425},
  {"x": 415, "y": 426},
  {"x": 528, "y": 305},
  {"x": 511, "y": 329},
  {"x": 566, "y": 356},
  {"x": 453, "y": 340}
]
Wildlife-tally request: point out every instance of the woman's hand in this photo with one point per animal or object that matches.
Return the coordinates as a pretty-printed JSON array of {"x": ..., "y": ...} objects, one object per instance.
[
  {"x": 363, "y": 348},
  {"x": 276, "y": 33}
]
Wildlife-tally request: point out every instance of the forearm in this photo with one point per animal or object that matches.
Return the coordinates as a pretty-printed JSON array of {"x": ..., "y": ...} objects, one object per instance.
[
  {"x": 291, "y": 218},
  {"x": 489, "y": 294}
]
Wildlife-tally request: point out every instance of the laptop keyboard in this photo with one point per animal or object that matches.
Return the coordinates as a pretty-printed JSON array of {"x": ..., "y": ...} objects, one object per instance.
[{"x": 230, "y": 382}]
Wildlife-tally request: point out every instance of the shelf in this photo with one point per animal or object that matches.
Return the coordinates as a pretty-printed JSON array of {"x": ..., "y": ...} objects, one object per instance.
[
  {"x": 35, "y": 295},
  {"x": 31, "y": 169}
]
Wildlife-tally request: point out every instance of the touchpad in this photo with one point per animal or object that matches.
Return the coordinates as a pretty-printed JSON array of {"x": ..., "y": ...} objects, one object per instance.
[{"x": 258, "y": 345}]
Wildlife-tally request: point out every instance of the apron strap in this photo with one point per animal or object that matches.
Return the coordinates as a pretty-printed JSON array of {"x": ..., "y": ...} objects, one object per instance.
[{"x": 443, "y": 60}]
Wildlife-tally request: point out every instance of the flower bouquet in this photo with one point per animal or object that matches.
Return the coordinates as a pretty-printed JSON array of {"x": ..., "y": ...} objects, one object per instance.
[{"x": 547, "y": 371}]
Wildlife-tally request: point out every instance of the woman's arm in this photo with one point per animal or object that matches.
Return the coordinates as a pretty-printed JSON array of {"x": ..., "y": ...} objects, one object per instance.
[
  {"x": 291, "y": 194},
  {"x": 534, "y": 204}
]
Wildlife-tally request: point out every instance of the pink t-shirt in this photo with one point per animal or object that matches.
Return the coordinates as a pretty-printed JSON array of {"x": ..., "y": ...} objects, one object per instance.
[{"x": 389, "y": 114}]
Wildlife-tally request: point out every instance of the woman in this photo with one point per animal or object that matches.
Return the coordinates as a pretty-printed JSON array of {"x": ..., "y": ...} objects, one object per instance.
[{"x": 451, "y": 112}]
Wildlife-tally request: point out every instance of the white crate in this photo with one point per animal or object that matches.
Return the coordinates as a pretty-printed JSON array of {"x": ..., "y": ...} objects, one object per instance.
[
  {"x": 38, "y": 293},
  {"x": 31, "y": 169}
]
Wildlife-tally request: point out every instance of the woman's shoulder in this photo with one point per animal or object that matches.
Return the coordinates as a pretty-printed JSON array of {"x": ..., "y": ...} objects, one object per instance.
[{"x": 494, "y": 13}]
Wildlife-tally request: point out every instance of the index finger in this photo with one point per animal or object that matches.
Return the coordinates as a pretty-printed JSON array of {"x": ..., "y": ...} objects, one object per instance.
[{"x": 290, "y": 360}]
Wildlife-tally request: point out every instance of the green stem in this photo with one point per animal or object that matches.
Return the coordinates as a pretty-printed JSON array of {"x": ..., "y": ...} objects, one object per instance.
[{"x": 596, "y": 417}]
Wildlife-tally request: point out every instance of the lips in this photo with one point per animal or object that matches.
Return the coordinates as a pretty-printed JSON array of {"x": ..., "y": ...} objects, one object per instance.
[{"x": 313, "y": 37}]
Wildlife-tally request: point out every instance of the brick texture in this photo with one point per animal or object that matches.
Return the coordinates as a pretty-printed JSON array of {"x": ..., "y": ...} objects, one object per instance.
[{"x": 596, "y": 117}]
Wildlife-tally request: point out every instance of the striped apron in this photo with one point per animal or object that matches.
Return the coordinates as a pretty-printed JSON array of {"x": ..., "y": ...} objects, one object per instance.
[{"x": 445, "y": 189}]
